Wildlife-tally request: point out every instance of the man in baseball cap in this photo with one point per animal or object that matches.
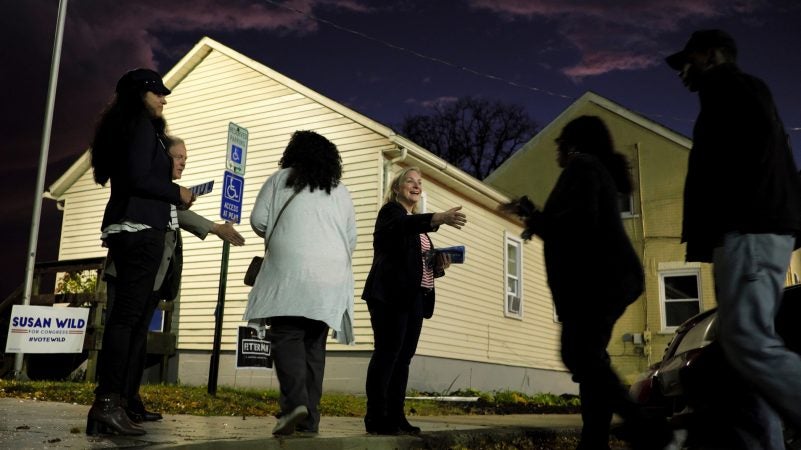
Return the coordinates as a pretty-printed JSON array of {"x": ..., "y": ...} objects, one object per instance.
[
  {"x": 742, "y": 213},
  {"x": 144, "y": 80}
]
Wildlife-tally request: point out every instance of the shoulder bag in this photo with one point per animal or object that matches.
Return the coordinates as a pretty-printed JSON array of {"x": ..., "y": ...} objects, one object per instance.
[{"x": 256, "y": 262}]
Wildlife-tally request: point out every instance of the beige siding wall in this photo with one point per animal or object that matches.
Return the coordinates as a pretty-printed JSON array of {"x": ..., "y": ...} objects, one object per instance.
[{"x": 84, "y": 204}]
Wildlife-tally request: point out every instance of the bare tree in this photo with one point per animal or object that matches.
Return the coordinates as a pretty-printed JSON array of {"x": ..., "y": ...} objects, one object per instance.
[{"x": 472, "y": 133}]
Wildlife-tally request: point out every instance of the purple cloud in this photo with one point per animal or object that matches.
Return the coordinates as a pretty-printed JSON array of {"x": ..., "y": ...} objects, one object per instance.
[{"x": 620, "y": 35}]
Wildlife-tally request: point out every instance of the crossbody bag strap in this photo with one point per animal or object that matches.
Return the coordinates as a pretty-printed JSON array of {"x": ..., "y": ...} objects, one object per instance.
[{"x": 267, "y": 245}]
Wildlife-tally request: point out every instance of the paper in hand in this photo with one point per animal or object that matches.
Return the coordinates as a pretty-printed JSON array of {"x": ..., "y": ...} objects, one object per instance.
[
  {"x": 201, "y": 189},
  {"x": 457, "y": 253}
]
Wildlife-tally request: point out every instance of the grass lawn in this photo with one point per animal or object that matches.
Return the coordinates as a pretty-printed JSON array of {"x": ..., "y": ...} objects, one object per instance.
[{"x": 195, "y": 400}]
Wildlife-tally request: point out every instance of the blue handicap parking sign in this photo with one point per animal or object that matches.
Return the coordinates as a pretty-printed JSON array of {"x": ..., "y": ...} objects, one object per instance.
[
  {"x": 236, "y": 153},
  {"x": 232, "y": 192}
]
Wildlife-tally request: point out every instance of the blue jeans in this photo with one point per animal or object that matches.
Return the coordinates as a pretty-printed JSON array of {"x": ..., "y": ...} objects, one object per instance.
[{"x": 749, "y": 281}]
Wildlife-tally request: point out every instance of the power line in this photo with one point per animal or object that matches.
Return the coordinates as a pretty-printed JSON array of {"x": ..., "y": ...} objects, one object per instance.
[
  {"x": 449, "y": 63},
  {"x": 421, "y": 55}
]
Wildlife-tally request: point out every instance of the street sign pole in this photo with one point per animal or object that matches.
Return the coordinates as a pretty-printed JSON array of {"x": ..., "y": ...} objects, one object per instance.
[
  {"x": 40, "y": 174},
  {"x": 219, "y": 313},
  {"x": 231, "y": 211}
]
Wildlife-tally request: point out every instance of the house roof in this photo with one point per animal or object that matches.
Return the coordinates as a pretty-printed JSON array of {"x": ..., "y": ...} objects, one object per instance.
[
  {"x": 605, "y": 103},
  {"x": 444, "y": 171}
]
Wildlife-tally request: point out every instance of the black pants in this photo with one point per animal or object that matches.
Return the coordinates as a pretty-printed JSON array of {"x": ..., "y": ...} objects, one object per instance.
[
  {"x": 138, "y": 359},
  {"x": 137, "y": 257},
  {"x": 396, "y": 333},
  {"x": 584, "y": 342},
  {"x": 298, "y": 350}
]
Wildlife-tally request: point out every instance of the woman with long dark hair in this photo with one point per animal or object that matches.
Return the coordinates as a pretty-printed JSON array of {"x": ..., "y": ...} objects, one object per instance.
[
  {"x": 581, "y": 220},
  {"x": 128, "y": 150},
  {"x": 305, "y": 285}
]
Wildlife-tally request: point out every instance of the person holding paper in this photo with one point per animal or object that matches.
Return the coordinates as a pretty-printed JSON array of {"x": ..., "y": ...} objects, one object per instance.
[
  {"x": 581, "y": 217},
  {"x": 128, "y": 149},
  {"x": 167, "y": 283},
  {"x": 305, "y": 285},
  {"x": 400, "y": 293}
]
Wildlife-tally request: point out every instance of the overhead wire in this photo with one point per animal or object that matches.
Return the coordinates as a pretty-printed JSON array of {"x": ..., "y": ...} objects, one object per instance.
[
  {"x": 446, "y": 62},
  {"x": 420, "y": 55}
]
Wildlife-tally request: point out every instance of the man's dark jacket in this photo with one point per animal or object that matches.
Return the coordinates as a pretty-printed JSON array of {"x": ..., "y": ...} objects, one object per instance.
[
  {"x": 397, "y": 269},
  {"x": 741, "y": 176}
]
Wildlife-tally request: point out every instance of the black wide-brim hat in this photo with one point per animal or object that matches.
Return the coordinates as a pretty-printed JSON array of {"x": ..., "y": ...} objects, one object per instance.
[{"x": 699, "y": 41}]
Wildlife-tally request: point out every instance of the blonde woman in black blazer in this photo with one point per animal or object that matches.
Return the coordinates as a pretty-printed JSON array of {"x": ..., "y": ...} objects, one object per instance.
[{"x": 400, "y": 292}]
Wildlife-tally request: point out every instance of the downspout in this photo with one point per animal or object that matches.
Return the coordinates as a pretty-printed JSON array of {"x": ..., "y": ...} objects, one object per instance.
[
  {"x": 388, "y": 167},
  {"x": 647, "y": 347}
]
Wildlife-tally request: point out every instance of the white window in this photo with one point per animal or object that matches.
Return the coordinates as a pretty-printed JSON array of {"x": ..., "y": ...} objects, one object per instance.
[
  {"x": 513, "y": 269},
  {"x": 626, "y": 204},
  {"x": 680, "y": 296}
]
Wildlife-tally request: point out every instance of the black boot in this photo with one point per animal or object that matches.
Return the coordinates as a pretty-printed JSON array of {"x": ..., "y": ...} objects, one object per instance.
[
  {"x": 405, "y": 427},
  {"x": 136, "y": 411},
  {"x": 380, "y": 425},
  {"x": 107, "y": 417}
]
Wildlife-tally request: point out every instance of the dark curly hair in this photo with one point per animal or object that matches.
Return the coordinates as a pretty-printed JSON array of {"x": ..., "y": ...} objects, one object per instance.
[
  {"x": 589, "y": 134},
  {"x": 314, "y": 161},
  {"x": 115, "y": 127}
]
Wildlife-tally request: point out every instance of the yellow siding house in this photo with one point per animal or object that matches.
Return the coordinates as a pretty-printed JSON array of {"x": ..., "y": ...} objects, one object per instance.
[
  {"x": 493, "y": 327},
  {"x": 674, "y": 290}
]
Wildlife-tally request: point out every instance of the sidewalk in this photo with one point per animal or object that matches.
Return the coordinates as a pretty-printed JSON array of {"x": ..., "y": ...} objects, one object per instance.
[{"x": 30, "y": 424}]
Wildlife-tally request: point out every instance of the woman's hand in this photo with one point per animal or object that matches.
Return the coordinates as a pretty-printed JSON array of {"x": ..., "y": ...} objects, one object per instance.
[
  {"x": 452, "y": 217},
  {"x": 443, "y": 260},
  {"x": 226, "y": 232},
  {"x": 187, "y": 198}
]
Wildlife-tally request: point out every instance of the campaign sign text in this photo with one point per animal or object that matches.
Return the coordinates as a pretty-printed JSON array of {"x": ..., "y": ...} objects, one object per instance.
[
  {"x": 233, "y": 189},
  {"x": 252, "y": 352},
  {"x": 46, "y": 329}
]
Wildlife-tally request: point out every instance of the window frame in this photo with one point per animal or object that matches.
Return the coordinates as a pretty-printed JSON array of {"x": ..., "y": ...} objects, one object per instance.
[
  {"x": 510, "y": 238},
  {"x": 663, "y": 301},
  {"x": 626, "y": 214}
]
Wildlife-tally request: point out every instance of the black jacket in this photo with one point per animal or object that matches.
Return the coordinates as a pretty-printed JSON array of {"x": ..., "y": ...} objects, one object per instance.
[
  {"x": 141, "y": 186},
  {"x": 592, "y": 267},
  {"x": 397, "y": 268},
  {"x": 741, "y": 175}
]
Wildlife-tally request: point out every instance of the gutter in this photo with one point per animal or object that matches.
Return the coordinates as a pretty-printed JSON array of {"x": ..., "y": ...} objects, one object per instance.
[{"x": 388, "y": 167}]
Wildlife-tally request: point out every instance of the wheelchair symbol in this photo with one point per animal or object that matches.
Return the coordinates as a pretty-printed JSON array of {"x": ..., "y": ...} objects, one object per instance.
[
  {"x": 233, "y": 191},
  {"x": 236, "y": 154}
]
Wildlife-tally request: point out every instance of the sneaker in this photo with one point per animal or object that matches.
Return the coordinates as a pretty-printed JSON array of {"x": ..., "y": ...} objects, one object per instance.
[
  {"x": 300, "y": 428},
  {"x": 286, "y": 423}
]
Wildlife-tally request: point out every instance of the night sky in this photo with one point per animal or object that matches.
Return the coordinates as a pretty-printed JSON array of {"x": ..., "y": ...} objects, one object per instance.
[{"x": 385, "y": 59}]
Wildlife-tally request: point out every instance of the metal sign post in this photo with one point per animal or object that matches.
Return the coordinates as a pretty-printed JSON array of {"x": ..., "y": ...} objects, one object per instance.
[
  {"x": 230, "y": 211},
  {"x": 40, "y": 174}
]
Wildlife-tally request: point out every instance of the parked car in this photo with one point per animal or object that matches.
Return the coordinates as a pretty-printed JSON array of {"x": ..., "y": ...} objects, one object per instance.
[{"x": 694, "y": 386}]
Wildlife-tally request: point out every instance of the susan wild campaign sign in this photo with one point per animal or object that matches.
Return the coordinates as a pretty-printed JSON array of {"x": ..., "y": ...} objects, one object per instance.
[{"x": 45, "y": 329}]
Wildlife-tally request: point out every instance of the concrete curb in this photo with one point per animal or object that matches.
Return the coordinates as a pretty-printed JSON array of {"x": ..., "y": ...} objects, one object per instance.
[{"x": 32, "y": 424}]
